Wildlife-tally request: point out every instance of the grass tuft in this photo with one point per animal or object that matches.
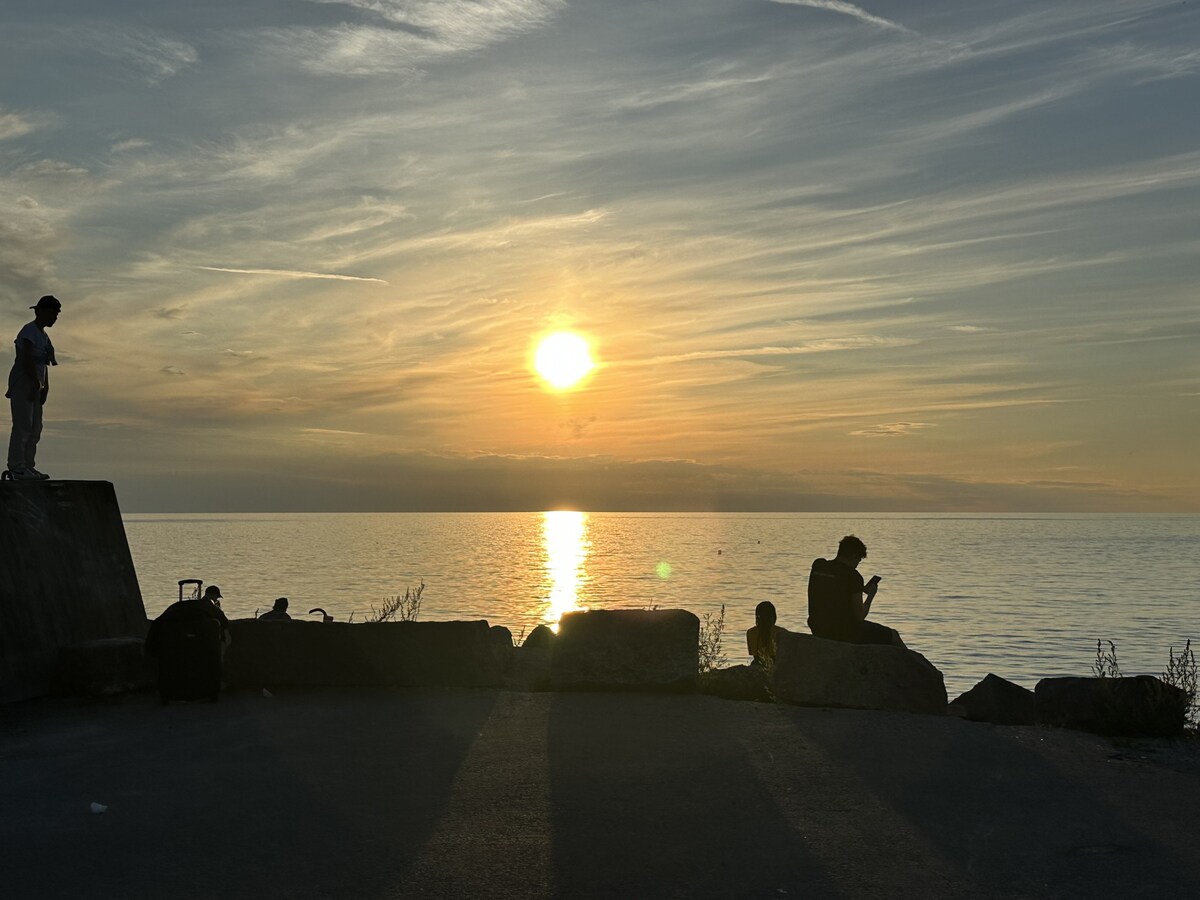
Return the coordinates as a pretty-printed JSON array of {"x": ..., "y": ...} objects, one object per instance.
[
  {"x": 712, "y": 630},
  {"x": 399, "y": 608}
]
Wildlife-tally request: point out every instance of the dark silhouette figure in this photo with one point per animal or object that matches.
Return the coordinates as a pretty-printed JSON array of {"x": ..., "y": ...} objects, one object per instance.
[
  {"x": 28, "y": 387},
  {"x": 278, "y": 612},
  {"x": 190, "y": 609},
  {"x": 836, "y": 608},
  {"x": 189, "y": 639},
  {"x": 762, "y": 638}
]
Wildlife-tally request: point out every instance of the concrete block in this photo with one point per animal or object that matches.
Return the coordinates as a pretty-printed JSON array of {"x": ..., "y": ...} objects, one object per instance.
[
  {"x": 106, "y": 666},
  {"x": 66, "y": 577},
  {"x": 449, "y": 654},
  {"x": 626, "y": 649}
]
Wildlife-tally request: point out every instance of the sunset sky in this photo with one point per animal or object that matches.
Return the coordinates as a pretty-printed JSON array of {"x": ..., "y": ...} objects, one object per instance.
[{"x": 896, "y": 256}]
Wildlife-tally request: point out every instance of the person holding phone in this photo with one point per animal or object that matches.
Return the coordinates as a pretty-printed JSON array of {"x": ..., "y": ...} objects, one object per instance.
[{"x": 839, "y": 600}]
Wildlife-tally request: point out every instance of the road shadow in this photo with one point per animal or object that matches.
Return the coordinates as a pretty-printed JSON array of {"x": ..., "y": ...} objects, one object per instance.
[{"x": 649, "y": 797}]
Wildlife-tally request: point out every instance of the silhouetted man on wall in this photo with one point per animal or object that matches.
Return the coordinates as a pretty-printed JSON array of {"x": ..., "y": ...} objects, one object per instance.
[
  {"x": 278, "y": 612},
  {"x": 836, "y": 609},
  {"x": 28, "y": 387}
]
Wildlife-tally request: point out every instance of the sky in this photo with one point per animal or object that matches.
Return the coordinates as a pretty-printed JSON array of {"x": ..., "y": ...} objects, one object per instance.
[{"x": 828, "y": 256}]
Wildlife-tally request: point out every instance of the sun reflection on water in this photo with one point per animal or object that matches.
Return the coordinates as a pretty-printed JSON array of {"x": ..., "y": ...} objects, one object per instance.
[{"x": 566, "y": 542}]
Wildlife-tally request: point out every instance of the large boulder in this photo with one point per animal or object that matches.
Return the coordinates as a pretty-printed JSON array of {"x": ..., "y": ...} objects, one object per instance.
[
  {"x": 626, "y": 649},
  {"x": 812, "y": 671},
  {"x": 502, "y": 646},
  {"x": 447, "y": 654},
  {"x": 105, "y": 666},
  {"x": 736, "y": 683},
  {"x": 1137, "y": 705},
  {"x": 530, "y": 670},
  {"x": 998, "y": 701}
]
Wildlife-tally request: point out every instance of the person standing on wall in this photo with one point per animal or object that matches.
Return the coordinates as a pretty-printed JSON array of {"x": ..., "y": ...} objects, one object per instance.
[{"x": 28, "y": 387}]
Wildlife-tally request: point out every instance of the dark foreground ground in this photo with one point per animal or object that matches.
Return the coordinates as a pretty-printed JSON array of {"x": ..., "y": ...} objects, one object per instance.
[{"x": 475, "y": 794}]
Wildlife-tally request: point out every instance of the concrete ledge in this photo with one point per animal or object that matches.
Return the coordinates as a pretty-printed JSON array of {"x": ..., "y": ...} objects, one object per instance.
[
  {"x": 103, "y": 667},
  {"x": 411, "y": 654},
  {"x": 66, "y": 578}
]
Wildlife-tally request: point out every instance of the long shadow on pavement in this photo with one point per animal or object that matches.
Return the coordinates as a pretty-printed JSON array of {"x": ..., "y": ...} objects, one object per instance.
[{"x": 651, "y": 798}]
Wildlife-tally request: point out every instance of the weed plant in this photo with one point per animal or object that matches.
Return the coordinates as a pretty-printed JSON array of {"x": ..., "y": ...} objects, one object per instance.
[
  {"x": 1106, "y": 665},
  {"x": 712, "y": 631},
  {"x": 1181, "y": 673},
  {"x": 399, "y": 608}
]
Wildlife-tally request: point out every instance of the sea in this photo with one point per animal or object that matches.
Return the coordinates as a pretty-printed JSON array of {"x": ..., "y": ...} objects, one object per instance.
[{"x": 1022, "y": 596}]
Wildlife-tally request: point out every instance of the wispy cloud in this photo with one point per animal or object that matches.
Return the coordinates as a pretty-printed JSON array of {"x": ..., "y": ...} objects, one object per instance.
[
  {"x": 153, "y": 56},
  {"x": 291, "y": 273},
  {"x": 417, "y": 32},
  {"x": 892, "y": 429},
  {"x": 849, "y": 9},
  {"x": 19, "y": 124}
]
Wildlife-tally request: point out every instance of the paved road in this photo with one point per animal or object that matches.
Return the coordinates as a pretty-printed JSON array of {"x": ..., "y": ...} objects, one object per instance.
[{"x": 380, "y": 793}]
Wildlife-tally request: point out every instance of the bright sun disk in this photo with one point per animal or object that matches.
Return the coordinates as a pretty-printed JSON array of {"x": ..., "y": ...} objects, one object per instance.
[{"x": 562, "y": 359}]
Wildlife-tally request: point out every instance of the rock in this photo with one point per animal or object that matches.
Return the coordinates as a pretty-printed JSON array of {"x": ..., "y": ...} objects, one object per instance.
[
  {"x": 626, "y": 649},
  {"x": 106, "y": 666},
  {"x": 502, "y": 646},
  {"x": 530, "y": 669},
  {"x": 998, "y": 701},
  {"x": 736, "y": 683},
  {"x": 441, "y": 654},
  {"x": 812, "y": 671},
  {"x": 542, "y": 637},
  {"x": 1138, "y": 705}
]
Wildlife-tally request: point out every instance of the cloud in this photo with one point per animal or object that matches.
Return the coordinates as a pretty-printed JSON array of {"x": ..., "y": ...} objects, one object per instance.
[
  {"x": 892, "y": 429},
  {"x": 830, "y": 345},
  {"x": 414, "y": 33},
  {"x": 15, "y": 125},
  {"x": 291, "y": 273},
  {"x": 849, "y": 9},
  {"x": 153, "y": 56}
]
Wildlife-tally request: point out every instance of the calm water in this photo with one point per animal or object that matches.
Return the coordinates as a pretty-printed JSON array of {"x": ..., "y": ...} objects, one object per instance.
[{"x": 1022, "y": 596}]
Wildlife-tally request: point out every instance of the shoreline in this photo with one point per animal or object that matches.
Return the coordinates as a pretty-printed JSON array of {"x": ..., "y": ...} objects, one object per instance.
[{"x": 485, "y": 793}]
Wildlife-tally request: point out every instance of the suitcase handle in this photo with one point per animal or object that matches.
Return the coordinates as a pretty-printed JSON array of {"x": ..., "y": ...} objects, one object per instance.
[{"x": 196, "y": 581}]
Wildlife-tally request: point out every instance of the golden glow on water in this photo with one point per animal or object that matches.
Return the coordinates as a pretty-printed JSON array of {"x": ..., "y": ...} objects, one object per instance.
[{"x": 566, "y": 543}]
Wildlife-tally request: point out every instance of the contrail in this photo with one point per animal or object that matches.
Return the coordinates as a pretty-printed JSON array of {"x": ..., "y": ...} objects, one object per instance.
[
  {"x": 850, "y": 9},
  {"x": 289, "y": 273}
]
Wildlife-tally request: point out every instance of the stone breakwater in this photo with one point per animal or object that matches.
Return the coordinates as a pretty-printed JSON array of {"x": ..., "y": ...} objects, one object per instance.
[{"x": 632, "y": 650}]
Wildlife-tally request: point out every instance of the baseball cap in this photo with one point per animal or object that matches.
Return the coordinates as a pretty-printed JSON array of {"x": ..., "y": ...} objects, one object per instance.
[{"x": 47, "y": 302}]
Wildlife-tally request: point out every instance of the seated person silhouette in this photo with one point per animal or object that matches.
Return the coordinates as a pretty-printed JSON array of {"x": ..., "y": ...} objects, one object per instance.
[
  {"x": 763, "y": 638},
  {"x": 189, "y": 640},
  {"x": 836, "y": 608},
  {"x": 278, "y": 612}
]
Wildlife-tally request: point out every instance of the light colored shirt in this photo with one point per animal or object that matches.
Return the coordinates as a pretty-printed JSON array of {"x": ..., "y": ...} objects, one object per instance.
[{"x": 43, "y": 350}]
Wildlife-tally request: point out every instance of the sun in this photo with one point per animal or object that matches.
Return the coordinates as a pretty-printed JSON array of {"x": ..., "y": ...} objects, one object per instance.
[{"x": 563, "y": 359}]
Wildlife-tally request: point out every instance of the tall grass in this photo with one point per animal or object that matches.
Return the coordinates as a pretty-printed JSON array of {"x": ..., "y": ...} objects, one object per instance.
[
  {"x": 399, "y": 608},
  {"x": 712, "y": 631}
]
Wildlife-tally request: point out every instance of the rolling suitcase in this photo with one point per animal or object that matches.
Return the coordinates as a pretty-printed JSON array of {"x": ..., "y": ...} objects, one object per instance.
[{"x": 189, "y": 657}]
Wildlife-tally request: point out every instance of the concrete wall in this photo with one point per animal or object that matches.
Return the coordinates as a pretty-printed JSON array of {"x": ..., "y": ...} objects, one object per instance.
[
  {"x": 451, "y": 654},
  {"x": 66, "y": 576}
]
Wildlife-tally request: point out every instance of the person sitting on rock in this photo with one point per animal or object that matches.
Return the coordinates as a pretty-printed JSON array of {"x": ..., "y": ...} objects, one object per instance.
[
  {"x": 762, "y": 638},
  {"x": 278, "y": 612},
  {"x": 836, "y": 608}
]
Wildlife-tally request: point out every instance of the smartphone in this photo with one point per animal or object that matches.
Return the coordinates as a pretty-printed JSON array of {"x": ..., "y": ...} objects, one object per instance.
[{"x": 875, "y": 579}]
